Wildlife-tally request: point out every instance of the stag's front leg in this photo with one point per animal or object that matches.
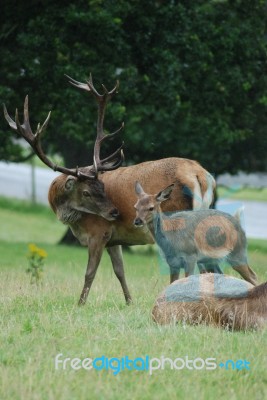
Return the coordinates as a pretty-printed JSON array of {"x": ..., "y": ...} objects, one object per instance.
[
  {"x": 96, "y": 246},
  {"x": 115, "y": 254}
]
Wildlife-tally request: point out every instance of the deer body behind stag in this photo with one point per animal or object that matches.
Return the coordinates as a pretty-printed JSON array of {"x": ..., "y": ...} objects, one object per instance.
[{"x": 97, "y": 201}]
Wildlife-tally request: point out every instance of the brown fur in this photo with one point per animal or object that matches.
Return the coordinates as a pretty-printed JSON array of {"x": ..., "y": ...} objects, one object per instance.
[
  {"x": 154, "y": 175},
  {"x": 97, "y": 233},
  {"x": 241, "y": 307},
  {"x": 56, "y": 194}
]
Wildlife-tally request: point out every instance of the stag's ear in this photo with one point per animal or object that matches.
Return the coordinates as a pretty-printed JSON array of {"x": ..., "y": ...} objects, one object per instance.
[
  {"x": 70, "y": 182},
  {"x": 164, "y": 194},
  {"x": 138, "y": 189}
]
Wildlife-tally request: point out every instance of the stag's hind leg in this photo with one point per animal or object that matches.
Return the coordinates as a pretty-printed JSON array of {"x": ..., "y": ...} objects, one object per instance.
[
  {"x": 115, "y": 254},
  {"x": 247, "y": 273}
]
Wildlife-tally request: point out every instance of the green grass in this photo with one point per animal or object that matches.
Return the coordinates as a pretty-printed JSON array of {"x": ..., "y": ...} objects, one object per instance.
[
  {"x": 22, "y": 221},
  {"x": 240, "y": 193},
  {"x": 37, "y": 323}
]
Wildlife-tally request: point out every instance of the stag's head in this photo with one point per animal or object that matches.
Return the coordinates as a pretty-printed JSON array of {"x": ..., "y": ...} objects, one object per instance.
[
  {"x": 78, "y": 189},
  {"x": 147, "y": 204},
  {"x": 70, "y": 197}
]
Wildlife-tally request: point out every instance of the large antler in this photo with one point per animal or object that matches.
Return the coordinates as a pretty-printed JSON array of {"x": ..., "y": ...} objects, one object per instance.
[
  {"x": 34, "y": 139},
  {"x": 115, "y": 159}
]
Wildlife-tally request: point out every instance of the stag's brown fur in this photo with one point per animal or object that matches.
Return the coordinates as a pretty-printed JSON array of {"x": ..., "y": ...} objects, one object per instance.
[
  {"x": 98, "y": 233},
  {"x": 243, "y": 307},
  {"x": 119, "y": 186}
]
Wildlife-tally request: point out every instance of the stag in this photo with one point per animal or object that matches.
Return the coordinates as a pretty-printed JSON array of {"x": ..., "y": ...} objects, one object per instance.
[
  {"x": 213, "y": 299},
  {"x": 97, "y": 201},
  {"x": 189, "y": 237}
]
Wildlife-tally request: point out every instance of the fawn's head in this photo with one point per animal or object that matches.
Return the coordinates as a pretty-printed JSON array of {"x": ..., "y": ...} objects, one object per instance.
[{"x": 148, "y": 203}]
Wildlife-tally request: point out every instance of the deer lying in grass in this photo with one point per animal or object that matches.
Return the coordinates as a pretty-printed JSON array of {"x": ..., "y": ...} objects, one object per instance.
[
  {"x": 213, "y": 299},
  {"x": 188, "y": 237}
]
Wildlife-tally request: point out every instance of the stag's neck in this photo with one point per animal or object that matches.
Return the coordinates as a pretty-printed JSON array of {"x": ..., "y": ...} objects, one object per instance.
[{"x": 68, "y": 215}]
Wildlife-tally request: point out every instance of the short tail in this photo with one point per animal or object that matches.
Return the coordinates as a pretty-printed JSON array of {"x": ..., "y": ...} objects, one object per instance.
[{"x": 203, "y": 192}]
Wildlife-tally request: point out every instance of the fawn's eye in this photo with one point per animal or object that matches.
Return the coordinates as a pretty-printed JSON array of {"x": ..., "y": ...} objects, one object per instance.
[
  {"x": 86, "y": 193},
  {"x": 151, "y": 208}
]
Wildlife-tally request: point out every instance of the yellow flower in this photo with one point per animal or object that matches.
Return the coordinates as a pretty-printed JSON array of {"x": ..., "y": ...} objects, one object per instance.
[
  {"x": 42, "y": 253},
  {"x": 33, "y": 248},
  {"x": 36, "y": 263}
]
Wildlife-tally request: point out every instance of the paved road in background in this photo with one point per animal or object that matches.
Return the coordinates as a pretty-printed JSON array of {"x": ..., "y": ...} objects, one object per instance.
[
  {"x": 15, "y": 181},
  {"x": 254, "y": 216}
]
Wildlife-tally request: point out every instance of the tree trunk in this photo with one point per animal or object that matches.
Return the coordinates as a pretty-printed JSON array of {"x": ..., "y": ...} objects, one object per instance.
[{"x": 69, "y": 239}]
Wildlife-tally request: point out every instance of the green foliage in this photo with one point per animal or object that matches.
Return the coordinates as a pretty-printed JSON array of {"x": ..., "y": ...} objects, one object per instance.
[{"x": 193, "y": 77}]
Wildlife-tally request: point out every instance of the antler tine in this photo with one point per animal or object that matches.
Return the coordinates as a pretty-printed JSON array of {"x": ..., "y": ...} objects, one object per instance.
[
  {"x": 102, "y": 100},
  {"x": 115, "y": 166},
  {"x": 113, "y": 155},
  {"x": 89, "y": 86},
  {"x": 10, "y": 121},
  {"x": 40, "y": 130},
  {"x": 113, "y": 91},
  {"x": 122, "y": 158},
  {"x": 25, "y": 128},
  {"x": 78, "y": 84},
  {"x": 26, "y": 109},
  {"x": 35, "y": 140},
  {"x": 111, "y": 166},
  {"x": 16, "y": 125},
  {"x": 99, "y": 97},
  {"x": 100, "y": 166},
  {"x": 112, "y": 135}
]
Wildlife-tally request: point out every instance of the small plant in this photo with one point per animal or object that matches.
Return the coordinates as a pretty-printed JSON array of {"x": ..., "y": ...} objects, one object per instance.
[{"x": 36, "y": 258}]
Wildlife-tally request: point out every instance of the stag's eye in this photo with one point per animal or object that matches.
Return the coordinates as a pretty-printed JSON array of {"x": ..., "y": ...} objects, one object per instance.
[
  {"x": 151, "y": 208},
  {"x": 86, "y": 193}
]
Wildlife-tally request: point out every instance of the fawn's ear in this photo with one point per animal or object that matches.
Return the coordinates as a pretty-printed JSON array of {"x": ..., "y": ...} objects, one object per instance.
[
  {"x": 138, "y": 189},
  {"x": 165, "y": 193}
]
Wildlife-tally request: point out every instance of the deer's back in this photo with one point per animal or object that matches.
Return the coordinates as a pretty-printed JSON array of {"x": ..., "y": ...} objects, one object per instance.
[
  {"x": 119, "y": 187},
  {"x": 154, "y": 176}
]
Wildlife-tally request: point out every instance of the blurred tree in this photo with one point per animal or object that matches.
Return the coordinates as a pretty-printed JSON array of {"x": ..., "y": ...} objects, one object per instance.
[{"x": 193, "y": 77}]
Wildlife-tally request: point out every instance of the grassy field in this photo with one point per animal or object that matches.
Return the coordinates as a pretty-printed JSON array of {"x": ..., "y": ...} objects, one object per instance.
[
  {"x": 37, "y": 323},
  {"x": 241, "y": 193}
]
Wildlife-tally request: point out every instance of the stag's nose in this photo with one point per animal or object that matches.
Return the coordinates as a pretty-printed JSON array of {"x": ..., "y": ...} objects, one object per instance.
[
  {"x": 138, "y": 222},
  {"x": 114, "y": 213}
]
